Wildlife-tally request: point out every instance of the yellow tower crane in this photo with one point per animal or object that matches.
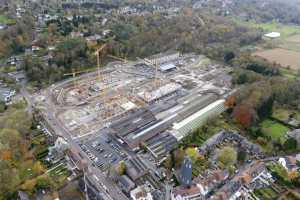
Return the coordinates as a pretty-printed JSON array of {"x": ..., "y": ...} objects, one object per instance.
[
  {"x": 74, "y": 74},
  {"x": 118, "y": 58},
  {"x": 97, "y": 53}
]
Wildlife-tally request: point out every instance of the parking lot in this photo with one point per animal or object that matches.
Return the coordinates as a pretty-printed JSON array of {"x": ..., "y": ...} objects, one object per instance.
[{"x": 103, "y": 151}]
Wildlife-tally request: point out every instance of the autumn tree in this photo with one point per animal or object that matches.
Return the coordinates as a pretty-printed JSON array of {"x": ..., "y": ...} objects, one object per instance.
[
  {"x": 230, "y": 101},
  {"x": 227, "y": 156},
  {"x": 10, "y": 144},
  {"x": 193, "y": 154},
  {"x": 17, "y": 119},
  {"x": 244, "y": 115},
  {"x": 9, "y": 179}
]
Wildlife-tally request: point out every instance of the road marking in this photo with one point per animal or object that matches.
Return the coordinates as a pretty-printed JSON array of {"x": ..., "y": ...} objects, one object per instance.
[{"x": 96, "y": 177}]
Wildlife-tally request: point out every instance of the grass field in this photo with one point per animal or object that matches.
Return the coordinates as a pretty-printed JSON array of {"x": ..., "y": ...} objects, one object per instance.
[
  {"x": 273, "y": 129},
  {"x": 6, "y": 20},
  {"x": 287, "y": 52},
  {"x": 284, "y": 114},
  {"x": 290, "y": 74},
  {"x": 285, "y": 30}
]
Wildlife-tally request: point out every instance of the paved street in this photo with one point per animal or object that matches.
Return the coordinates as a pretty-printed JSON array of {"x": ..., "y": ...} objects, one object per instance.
[{"x": 109, "y": 189}]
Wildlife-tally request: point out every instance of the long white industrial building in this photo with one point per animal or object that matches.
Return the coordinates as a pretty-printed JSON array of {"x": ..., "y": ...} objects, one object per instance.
[{"x": 191, "y": 123}]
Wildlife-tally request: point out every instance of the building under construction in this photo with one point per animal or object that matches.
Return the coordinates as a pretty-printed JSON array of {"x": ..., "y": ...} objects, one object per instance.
[{"x": 163, "y": 96}]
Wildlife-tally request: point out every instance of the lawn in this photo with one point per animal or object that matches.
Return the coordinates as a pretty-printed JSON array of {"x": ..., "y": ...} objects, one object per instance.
[
  {"x": 290, "y": 74},
  {"x": 6, "y": 20},
  {"x": 273, "y": 129},
  {"x": 284, "y": 114},
  {"x": 285, "y": 29},
  {"x": 211, "y": 127}
]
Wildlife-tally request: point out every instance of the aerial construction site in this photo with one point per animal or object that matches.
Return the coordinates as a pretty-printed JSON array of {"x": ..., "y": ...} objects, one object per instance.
[{"x": 137, "y": 100}]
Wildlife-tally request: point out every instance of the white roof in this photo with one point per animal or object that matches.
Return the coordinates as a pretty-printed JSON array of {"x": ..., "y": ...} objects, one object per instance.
[
  {"x": 298, "y": 157},
  {"x": 167, "y": 67},
  {"x": 128, "y": 105},
  {"x": 160, "y": 92},
  {"x": 273, "y": 35},
  {"x": 181, "y": 124}
]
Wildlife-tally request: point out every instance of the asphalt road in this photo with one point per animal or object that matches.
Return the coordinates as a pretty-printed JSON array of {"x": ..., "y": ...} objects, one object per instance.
[{"x": 109, "y": 189}]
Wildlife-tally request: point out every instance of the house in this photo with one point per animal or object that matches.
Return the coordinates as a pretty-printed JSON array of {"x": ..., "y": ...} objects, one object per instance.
[
  {"x": 295, "y": 134},
  {"x": 298, "y": 157},
  {"x": 3, "y": 26},
  {"x": 22, "y": 196},
  {"x": 93, "y": 39},
  {"x": 17, "y": 75},
  {"x": 35, "y": 48},
  {"x": 136, "y": 168},
  {"x": 51, "y": 48},
  {"x": 126, "y": 183},
  {"x": 6, "y": 94},
  {"x": 141, "y": 193},
  {"x": 201, "y": 186},
  {"x": 244, "y": 183},
  {"x": 289, "y": 163},
  {"x": 192, "y": 192}
]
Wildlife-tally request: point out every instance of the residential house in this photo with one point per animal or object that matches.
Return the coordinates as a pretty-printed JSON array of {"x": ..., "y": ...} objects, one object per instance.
[{"x": 141, "y": 193}]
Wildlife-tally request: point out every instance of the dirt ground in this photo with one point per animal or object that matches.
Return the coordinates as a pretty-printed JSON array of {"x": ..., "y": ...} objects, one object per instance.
[
  {"x": 284, "y": 57},
  {"x": 294, "y": 38}
]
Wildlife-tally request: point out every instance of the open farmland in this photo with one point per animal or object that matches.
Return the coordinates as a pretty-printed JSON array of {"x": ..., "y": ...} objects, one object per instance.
[{"x": 284, "y": 57}]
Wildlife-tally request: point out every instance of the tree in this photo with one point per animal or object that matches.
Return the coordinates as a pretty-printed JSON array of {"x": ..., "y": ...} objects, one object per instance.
[
  {"x": 168, "y": 164},
  {"x": 229, "y": 55},
  {"x": 37, "y": 168},
  {"x": 227, "y": 156},
  {"x": 230, "y": 101},
  {"x": 121, "y": 168},
  {"x": 244, "y": 115},
  {"x": 10, "y": 144},
  {"x": 193, "y": 154},
  {"x": 9, "y": 179},
  {"x": 29, "y": 185},
  {"x": 290, "y": 144},
  {"x": 2, "y": 107},
  {"x": 19, "y": 120},
  {"x": 43, "y": 182},
  {"x": 177, "y": 157},
  {"x": 242, "y": 156}
]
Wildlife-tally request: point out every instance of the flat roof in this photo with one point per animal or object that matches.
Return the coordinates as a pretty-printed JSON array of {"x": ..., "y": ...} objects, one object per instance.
[
  {"x": 184, "y": 122},
  {"x": 272, "y": 35},
  {"x": 154, "y": 126},
  {"x": 167, "y": 67}
]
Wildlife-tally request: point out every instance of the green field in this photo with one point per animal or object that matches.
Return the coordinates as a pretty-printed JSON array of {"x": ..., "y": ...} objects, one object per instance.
[
  {"x": 273, "y": 129},
  {"x": 284, "y": 114},
  {"x": 6, "y": 20},
  {"x": 290, "y": 74},
  {"x": 284, "y": 29}
]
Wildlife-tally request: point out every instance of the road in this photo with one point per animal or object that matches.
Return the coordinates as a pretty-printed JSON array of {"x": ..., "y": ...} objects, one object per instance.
[{"x": 109, "y": 189}]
